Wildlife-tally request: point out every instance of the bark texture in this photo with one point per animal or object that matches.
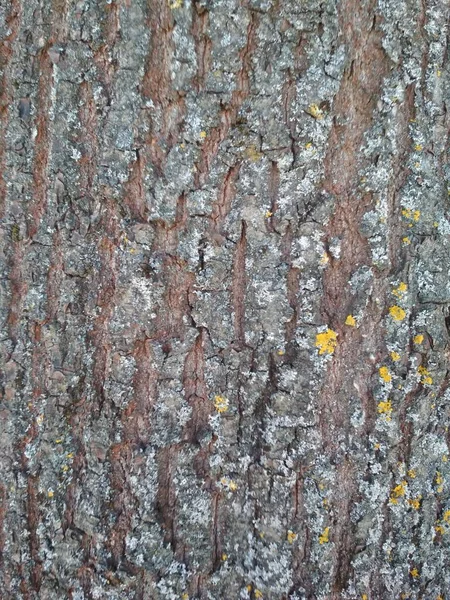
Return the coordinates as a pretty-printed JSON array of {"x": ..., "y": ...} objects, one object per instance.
[{"x": 225, "y": 291}]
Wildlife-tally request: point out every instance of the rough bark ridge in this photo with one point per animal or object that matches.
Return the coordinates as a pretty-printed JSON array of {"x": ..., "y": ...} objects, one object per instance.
[{"x": 225, "y": 254}]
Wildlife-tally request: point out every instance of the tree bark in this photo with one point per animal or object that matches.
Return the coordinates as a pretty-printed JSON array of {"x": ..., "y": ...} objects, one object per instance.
[{"x": 225, "y": 251}]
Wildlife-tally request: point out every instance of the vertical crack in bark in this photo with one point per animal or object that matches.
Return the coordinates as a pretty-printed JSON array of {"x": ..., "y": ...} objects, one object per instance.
[
  {"x": 203, "y": 44},
  {"x": 222, "y": 205},
  {"x": 195, "y": 391},
  {"x": 238, "y": 286}
]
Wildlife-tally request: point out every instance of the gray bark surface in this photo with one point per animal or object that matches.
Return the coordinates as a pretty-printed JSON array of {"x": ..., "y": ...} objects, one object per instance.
[{"x": 225, "y": 291}]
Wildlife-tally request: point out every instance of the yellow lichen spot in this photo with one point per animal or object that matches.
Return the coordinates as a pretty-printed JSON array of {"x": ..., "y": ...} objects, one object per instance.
[
  {"x": 415, "y": 503},
  {"x": 425, "y": 376},
  {"x": 221, "y": 404},
  {"x": 395, "y": 356},
  {"x": 385, "y": 408},
  {"x": 229, "y": 483},
  {"x": 399, "y": 490},
  {"x": 418, "y": 147},
  {"x": 445, "y": 458},
  {"x": 65, "y": 468},
  {"x": 326, "y": 341},
  {"x": 324, "y": 536},
  {"x": 258, "y": 594},
  {"x": 70, "y": 455},
  {"x": 439, "y": 529},
  {"x": 249, "y": 588},
  {"x": 280, "y": 352},
  {"x": 406, "y": 241},
  {"x": 377, "y": 446},
  {"x": 418, "y": 339},
  {"x": 268, "y": 214},
  {"x": 185, "y": 597},
  {"x": 438, "y": 73},
  {"x": 325, "y": 502},
  {"x": 173, "y": 4},
  {"x": 350, "y": 321},
  {"x": 224, "y": 556},
  {"x": 308, "y": 145},
  {"x": 400, "y": 290},
  {"x": 414, "y": 573},
  {"x": 446, "y": 516},
  {"x": 439, "y": 479},
  {"x": 385, "y": 375},
  {"x": 416, "y": 215},
  {"x": 315, "y": 111},
  {"x": 397, "y": 313},
  {"x": 40, "y": 419},
  {"x": 435, "y": 224},
  {"x": 325, "y": 259},
  {"x": 253, "y": 154},
  {"x": 50, "y": 493},
  {"x": 412, "y": 474},
  {"x": 202, "y": 135},
  {"x": 291, "y": 536},
  {"x": 364, "y": 597},
  {"x": 58, "y": 441},
  {"x": 406, "y": 212}
]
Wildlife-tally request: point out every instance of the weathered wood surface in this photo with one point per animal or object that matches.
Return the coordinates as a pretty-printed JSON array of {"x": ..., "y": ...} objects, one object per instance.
[{"x": 225, "y": 255}]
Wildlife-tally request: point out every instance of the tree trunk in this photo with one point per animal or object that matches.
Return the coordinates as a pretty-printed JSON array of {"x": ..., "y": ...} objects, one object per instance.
[{"x": 225, "y": 254}]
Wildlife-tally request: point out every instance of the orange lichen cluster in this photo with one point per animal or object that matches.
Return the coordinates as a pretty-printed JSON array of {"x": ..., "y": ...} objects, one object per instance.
[
  {"x": 326, "y": 341},
  {"x": 350, "y": 321},
  {"x": 385, "y": 408},
  {"x": 397, "y": 313},
  {"x": 324, "y": 536},
  {"x": 400, "y": 290},
  {"x": 385, "y": 375},
  {"x": 398, "y": 492},
  {"x": 425, "y": 375},
  {"x": 221, "y": 404},
  {"x": 291, "y": 536}
]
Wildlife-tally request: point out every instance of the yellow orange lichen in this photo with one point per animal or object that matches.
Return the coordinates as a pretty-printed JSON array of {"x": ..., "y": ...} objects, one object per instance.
[
  {"x": 400, "y": 290},
  {"x": 324, "y": 536},
  {"x": 395, "y": 356},
  {"x": 397, "y": 313},
  {"x": 415, "y": 502},
  {"x": 418, "y": 339},
  {"x": 326, "y": 341},
  {"x": 221, "y": 404},
  {"x": 315, "y": 111},
  {"x": 385, "y": 407},
  {"x": 350, "y": 320},
  {"x": 385, "y": 375},
  {"x": 291, "y": 536},
  {"x": 425, "y": 375},
  {"x": 398, "y": 492},
  {"x": 414, "y": 572}
]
